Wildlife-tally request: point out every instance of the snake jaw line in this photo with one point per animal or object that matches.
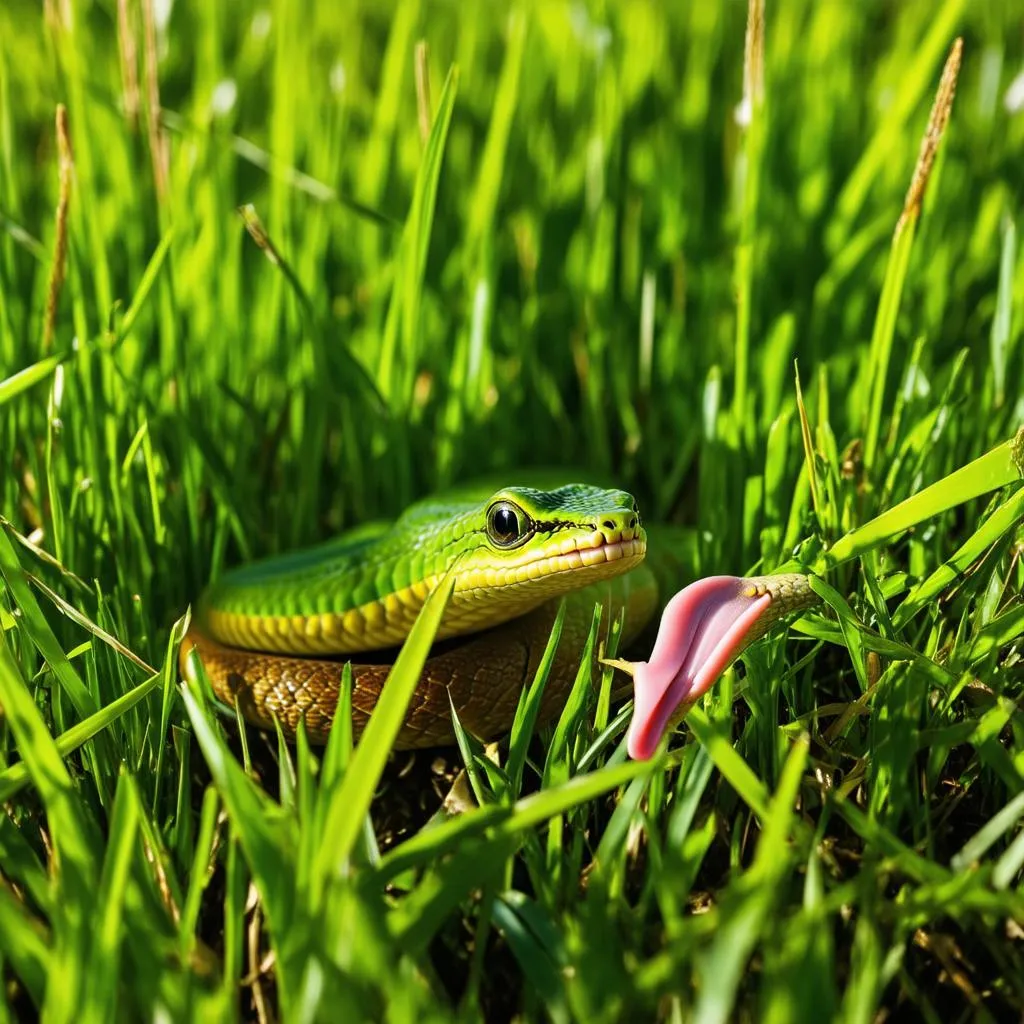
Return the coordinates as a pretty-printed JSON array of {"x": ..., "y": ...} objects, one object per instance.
[{"x": 543, "y": 563}]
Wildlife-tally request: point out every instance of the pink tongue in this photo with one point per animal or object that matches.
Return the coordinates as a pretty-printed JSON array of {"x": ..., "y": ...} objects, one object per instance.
[{"x": 702, "y": 632}]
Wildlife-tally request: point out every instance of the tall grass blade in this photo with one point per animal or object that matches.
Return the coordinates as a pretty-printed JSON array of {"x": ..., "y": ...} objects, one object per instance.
[{"x": 350, "y": 803}]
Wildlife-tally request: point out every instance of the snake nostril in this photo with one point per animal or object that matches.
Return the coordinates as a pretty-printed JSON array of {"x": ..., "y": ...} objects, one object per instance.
[
  {"x": 608, "y": 524},
  {"x": 632, "y": 523}
]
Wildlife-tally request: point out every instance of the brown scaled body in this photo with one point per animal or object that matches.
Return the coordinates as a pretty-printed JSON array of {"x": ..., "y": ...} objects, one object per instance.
[{"x": 483, "y": 673}]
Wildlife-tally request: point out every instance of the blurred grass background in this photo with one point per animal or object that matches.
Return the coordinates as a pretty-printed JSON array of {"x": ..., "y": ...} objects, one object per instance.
[{"x": 611, "y": 272}]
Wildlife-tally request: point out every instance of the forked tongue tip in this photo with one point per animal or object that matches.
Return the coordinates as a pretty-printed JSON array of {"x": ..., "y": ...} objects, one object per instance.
[{"x": 703, "y": 630}]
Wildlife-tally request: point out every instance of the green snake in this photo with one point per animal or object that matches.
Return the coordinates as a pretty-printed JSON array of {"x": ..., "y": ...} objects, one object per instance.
[{"x": 274, "y": 635}]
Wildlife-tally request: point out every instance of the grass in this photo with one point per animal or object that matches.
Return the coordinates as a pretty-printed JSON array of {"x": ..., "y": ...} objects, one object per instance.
[{"x": 565, "y": 241}]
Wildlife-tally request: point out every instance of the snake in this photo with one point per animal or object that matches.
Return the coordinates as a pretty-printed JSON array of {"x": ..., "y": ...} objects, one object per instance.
[{"x": 274, "y": 636}]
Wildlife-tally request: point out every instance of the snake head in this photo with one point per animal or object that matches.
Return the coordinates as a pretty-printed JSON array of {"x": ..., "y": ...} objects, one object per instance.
[
  {"x": 524, "y": 547},
  {"x": 704, "y": 628}
]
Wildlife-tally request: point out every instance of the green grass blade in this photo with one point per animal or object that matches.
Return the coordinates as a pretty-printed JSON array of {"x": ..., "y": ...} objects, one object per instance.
[
  {"x": 25, "y": 944},
  {"x": 71, "y": 832},
  {"x": 22, "y": 864},
  {"x": 1009, "y": 865},
  {"x": 542, "y": 970},
  {"x": 978, "y": 845},
  {"x": 202, "y": 870},
  {"x": 526, "y": 813},
  {"x": 484, "y": 199},
  {"x": 999, "y": 467},
  {"x": 1003, "y": 519},
  {"x": 350, "y": 803},
  {"x": 15, "y": 778},
  {"x": 732, "y": 766},
  {"x": 614, "y": 836},
  {"x": 1001, "y": 338},
  {"x": 39, "y": 630},
  {"x": 529, "y": 706},
  {"x": 146, "y": 283},
  {"x": 917, "y": 73},
  {"x": 21, "y": 381},
  {"x": 416, "y": 921},
  {"x": 851, "y": 627},
  {"x": 469, "y": 752},
  {"x": 723, "y": 964},
  {"x": 266, "y": 834},
  {"x": 557, "y": 766},
  {"x": 884, "y": 331},
  {"x": 403, "y": 312},
  {"x": 73, "y": 836},
  {"x": 101, "y": 996}
]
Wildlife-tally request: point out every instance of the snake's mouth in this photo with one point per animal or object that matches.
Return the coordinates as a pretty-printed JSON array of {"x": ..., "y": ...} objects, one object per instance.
[
  {"x": 587, "y": 555},
  {"x": 603, "y": 554},
  {"x": 561, "y": 563},
  {"x": 704, "y": 628}
]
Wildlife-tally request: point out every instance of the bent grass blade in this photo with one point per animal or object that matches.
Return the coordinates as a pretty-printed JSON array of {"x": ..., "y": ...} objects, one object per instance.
[{"x": 350, "y": 803}]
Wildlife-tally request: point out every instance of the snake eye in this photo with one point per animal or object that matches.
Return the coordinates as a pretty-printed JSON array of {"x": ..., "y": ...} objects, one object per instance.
[{"x": 507, "y": 525}]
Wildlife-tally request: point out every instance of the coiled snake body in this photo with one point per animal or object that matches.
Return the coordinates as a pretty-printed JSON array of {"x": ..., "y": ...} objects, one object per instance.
[{"x": 275, "y": 635}]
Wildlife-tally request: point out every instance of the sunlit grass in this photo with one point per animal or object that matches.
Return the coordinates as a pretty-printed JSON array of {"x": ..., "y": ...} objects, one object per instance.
[{"x": 304, "y": 283}]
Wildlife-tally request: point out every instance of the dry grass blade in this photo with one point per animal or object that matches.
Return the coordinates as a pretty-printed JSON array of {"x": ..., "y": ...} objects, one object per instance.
[
  {"x": 937, "y": 121},
  {"x": 258, "y": 233},
  {"x": 424, "y": 108},
  {"x": 60, "y": 245},
  {"x": 97, "y": 631},
  {"x": 899, "y": 256},
  {"x": 58, "y": 14},
  {"x": 808, "y": 443},
  {"x": 749, "y": 164},
  {"x": 753, "y": 56},
  {"x": 157, "y": 138},
  {"x": 128, "y": 53},
  {"x": 256, "y": 960},
  {"x": 44, "y": 556}
]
